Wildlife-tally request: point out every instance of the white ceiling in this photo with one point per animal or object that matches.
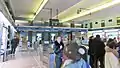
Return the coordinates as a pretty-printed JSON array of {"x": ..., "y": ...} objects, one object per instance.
[
  {"x": 83, "y": 4},
  {"x": 22, "y": 8},
  {"x": 61, "y": 5},
  {"x": 113, "y": 11}
]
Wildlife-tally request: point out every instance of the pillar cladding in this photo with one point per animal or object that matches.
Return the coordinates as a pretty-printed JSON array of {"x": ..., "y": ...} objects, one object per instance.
[
  {"x": 46, "y": 36},
  {"x": 30, "y": 34},
  {"x": 72, "y": 25},
  {"x": 30, "y": 37}
]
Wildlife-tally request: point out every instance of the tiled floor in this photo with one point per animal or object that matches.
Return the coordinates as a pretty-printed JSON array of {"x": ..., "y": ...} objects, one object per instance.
[{"x": 24, "y": 59}]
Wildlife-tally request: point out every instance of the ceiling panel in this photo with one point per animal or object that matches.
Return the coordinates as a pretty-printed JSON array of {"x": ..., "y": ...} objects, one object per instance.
[
  {"x": 61, "y": 5},
  {"x": 24, "y": 8},
  {"x": 66, "y": 8},
  {"x": 85, "y": 4},
  {"x": 21, "y": 7},
  {"x": 113, "y": 11}
]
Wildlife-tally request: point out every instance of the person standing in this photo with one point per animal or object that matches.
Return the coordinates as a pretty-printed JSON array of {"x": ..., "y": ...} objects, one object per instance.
[
  {"x": 14, "y": 43},
  {"x": 90, "y": 51},
  {"x": 99, "y": 52},
  {"x": 58, "y": 50},
  {"x": 111, "y": 60}
]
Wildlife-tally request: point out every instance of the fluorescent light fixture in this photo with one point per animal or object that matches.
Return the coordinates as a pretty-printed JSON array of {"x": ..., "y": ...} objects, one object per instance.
[
  {"x": 40, "y": 8},
  {"x": 112, "y": 30},
  {"x": 109, "y": 4},
  {"x": 20, "y": 21},
  {"x": 66, "y": 24},
  {"x": 77, "y": 24}
]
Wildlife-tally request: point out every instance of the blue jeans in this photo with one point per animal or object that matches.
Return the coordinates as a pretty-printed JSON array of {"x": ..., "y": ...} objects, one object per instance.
[{"x": 58, "y": 61}]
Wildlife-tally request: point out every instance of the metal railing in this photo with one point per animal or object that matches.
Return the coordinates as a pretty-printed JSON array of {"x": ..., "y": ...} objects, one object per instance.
[{"x": 4, "y": 54}]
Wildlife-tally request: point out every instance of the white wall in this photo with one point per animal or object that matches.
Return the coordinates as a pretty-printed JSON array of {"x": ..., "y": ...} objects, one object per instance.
[{"x": 4, "y": 30}]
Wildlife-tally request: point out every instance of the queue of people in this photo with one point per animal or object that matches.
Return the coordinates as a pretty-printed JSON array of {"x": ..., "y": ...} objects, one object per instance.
[{"x": 107, "y": 54}]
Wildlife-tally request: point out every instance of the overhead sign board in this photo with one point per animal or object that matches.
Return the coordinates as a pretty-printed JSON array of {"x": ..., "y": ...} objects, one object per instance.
[{"x": 49, "y": 29}]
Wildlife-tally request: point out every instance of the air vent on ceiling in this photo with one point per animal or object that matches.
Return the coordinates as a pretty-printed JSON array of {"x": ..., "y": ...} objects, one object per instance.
[
  {"x": 86, "y": 25},
  {"x": 118, "y": 20},
  {"x": 102, "y": 24},
  {"x": 110, "y": 20},
  {"x": 96, "y": 22},
  {"x": 91, "y": 25},
  {"x": 82, "y": 25}
]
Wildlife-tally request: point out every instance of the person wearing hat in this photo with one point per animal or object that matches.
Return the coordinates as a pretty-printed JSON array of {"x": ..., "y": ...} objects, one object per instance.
[{"x": 74, "y": 55}]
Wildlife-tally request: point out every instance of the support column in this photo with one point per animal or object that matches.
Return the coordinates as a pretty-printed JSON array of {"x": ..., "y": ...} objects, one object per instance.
[
  {"x": 46, "y": 36},
  {"x": 30, "y": 34},
  {"x": 72, "y": 25}
]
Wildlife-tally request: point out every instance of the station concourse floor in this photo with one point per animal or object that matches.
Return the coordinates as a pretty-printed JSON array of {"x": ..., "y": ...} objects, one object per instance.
[{"x": 25, "y": 59}]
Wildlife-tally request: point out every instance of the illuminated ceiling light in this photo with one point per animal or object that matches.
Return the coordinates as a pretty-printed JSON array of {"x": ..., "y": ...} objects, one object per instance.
[
  {"x": 40, "y": 8},
  {"x": 77, "y": 24},
  {"x": 114, "y": 2},
  {"x": 21, "y": 21}
]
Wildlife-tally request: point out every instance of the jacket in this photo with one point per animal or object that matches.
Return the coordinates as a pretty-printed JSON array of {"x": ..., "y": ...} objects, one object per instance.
[
  {"x": 14, "y": 42},
  {"x": 57, "y": 49},
  {"x": 98, "y": 47},
  {"x": 91, "y": 47},
  {"x": 79, "y": 64},
  {"x": 111, "y": 61}
]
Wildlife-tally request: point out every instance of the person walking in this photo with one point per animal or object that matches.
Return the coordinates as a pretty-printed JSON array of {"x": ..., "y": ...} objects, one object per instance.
[
  {"x": 99, "y": 52},
  {"x": 58, "y": 50},
  {"x": 14, "y": 43},
  {"x": 90, "y": 51}
]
